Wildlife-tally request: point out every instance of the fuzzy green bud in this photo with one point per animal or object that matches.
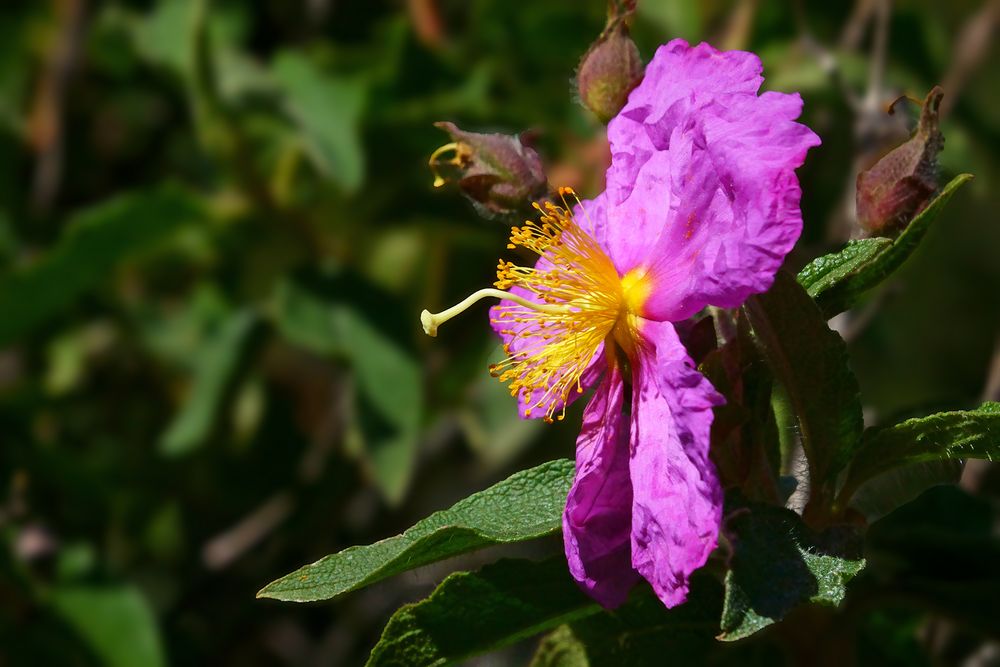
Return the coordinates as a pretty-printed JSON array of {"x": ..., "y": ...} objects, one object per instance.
[{"x": 608, "y": 71}]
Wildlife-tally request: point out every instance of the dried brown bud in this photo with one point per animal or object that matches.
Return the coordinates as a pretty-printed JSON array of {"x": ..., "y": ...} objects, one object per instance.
[
  {"x": 899, "y": 185},
  {"x": 499, "y": 173},
  {"x": 608, "y": 71}
]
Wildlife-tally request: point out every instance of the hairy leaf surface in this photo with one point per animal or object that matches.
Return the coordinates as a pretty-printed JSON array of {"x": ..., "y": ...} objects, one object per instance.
[
  {"x": 474, "y": 612},
  {"x": 965, "y": 434},
  {"x": 778, "y": 564},
  {"x": 527, "y": 505},
  {"x": 839, "y": 279}
]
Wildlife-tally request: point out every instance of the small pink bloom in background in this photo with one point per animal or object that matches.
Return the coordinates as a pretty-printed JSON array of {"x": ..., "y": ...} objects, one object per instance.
[{"x": 701, "y": 207}]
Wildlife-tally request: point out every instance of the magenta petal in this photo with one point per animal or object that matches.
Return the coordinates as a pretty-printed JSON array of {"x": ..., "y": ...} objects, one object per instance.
[
  {"x": 592, "y": 216},
  {"x": 702, "y": 194},
  {"x": 736, "y": 213},
  {"x": 677, "y": 499},
  {"x": 679, "y": 70},
  {"x": 597, "y": 519},
  {"x": 677, "y": 74},
  {"x": 634, "y": 225}
]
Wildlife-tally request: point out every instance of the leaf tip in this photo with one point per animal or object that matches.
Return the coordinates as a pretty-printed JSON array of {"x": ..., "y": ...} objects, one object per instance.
[{"x": 272, "y": 591}]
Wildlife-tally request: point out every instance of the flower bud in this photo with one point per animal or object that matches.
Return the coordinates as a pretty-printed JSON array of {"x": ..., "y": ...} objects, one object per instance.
[
  {"x": 499, "y": 173},
  {"x": 608, "y": 71},
  {"x": 899, "y": 185}
]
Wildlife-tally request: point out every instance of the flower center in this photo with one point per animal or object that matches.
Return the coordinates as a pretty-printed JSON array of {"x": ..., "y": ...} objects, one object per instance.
[
  {"x": 562, "y": 309},
  {"x": 635, "y": 288}
]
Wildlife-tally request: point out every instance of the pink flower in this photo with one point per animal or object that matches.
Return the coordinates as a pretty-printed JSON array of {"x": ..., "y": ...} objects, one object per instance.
[{"x": 701, "y": 207}]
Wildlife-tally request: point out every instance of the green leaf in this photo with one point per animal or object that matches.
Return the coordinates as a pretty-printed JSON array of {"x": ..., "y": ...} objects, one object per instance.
[
  {"x": 164, "y": 36},
  {"x": 527, "y": 505},
  {"x": 474, "y": 612},
  {"x": 327, "y": 110},
  {"x": 907, "y": 242},
  {"x": 303, "y": 318},
  {"x": 216, "y": 369},
  {"x": 115, "y": 622},
  {"x": 838, "y": 280},
  {"x": 640, "y": 632},
  {"x": 561, "y": 648},
  {"x": 389, "y": 408},
  {"x": 810, "y": 361},
  {"x": 388, "y": 376},
  {"x": 196, "y": 44},
  {"x": 95, "y": 242},
  {"x": 827, "y": 272},
  {"x": 390, "y": 405},
  {"x": 892, "y": 489},
  {"x": 778, "y": 564},
  {"x": 967, "y": 434}
]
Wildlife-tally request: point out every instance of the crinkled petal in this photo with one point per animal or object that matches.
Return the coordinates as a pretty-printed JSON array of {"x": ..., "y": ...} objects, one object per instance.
[
  {"x": 591, "y": 215},
  {"x": 676, "y": 496},
  {"x": 597, "y": 519},
  {"x": 677, "y": 74},
  {"x": 633, "y": 226},
  {"x": 705, "y": 199},
  {"x": 736, "y": 212}
]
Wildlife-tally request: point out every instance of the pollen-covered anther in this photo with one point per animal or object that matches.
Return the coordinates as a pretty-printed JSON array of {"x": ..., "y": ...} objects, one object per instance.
[{"x": 558, "y": 316}]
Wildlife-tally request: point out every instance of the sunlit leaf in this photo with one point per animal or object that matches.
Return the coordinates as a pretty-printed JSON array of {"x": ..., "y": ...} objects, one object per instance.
[
  {"x": 826, "y": 272},
  {"x": 967, "y": 434},
  {"x": 525, "y": 506},
  {"x": 837, "y": 281}
]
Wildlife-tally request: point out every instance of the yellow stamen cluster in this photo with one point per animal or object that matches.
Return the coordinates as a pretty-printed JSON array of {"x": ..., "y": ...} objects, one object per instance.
[
  {"x": 581, "y": 300},
  {"x": 566, "y": 306}
]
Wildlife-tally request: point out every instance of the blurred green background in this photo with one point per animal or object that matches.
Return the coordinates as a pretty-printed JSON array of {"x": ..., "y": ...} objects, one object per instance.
[{"x": 217, "y": 229}]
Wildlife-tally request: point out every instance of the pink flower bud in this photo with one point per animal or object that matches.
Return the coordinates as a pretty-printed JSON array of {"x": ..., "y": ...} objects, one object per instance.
[{"x": 899, "y": 185}]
